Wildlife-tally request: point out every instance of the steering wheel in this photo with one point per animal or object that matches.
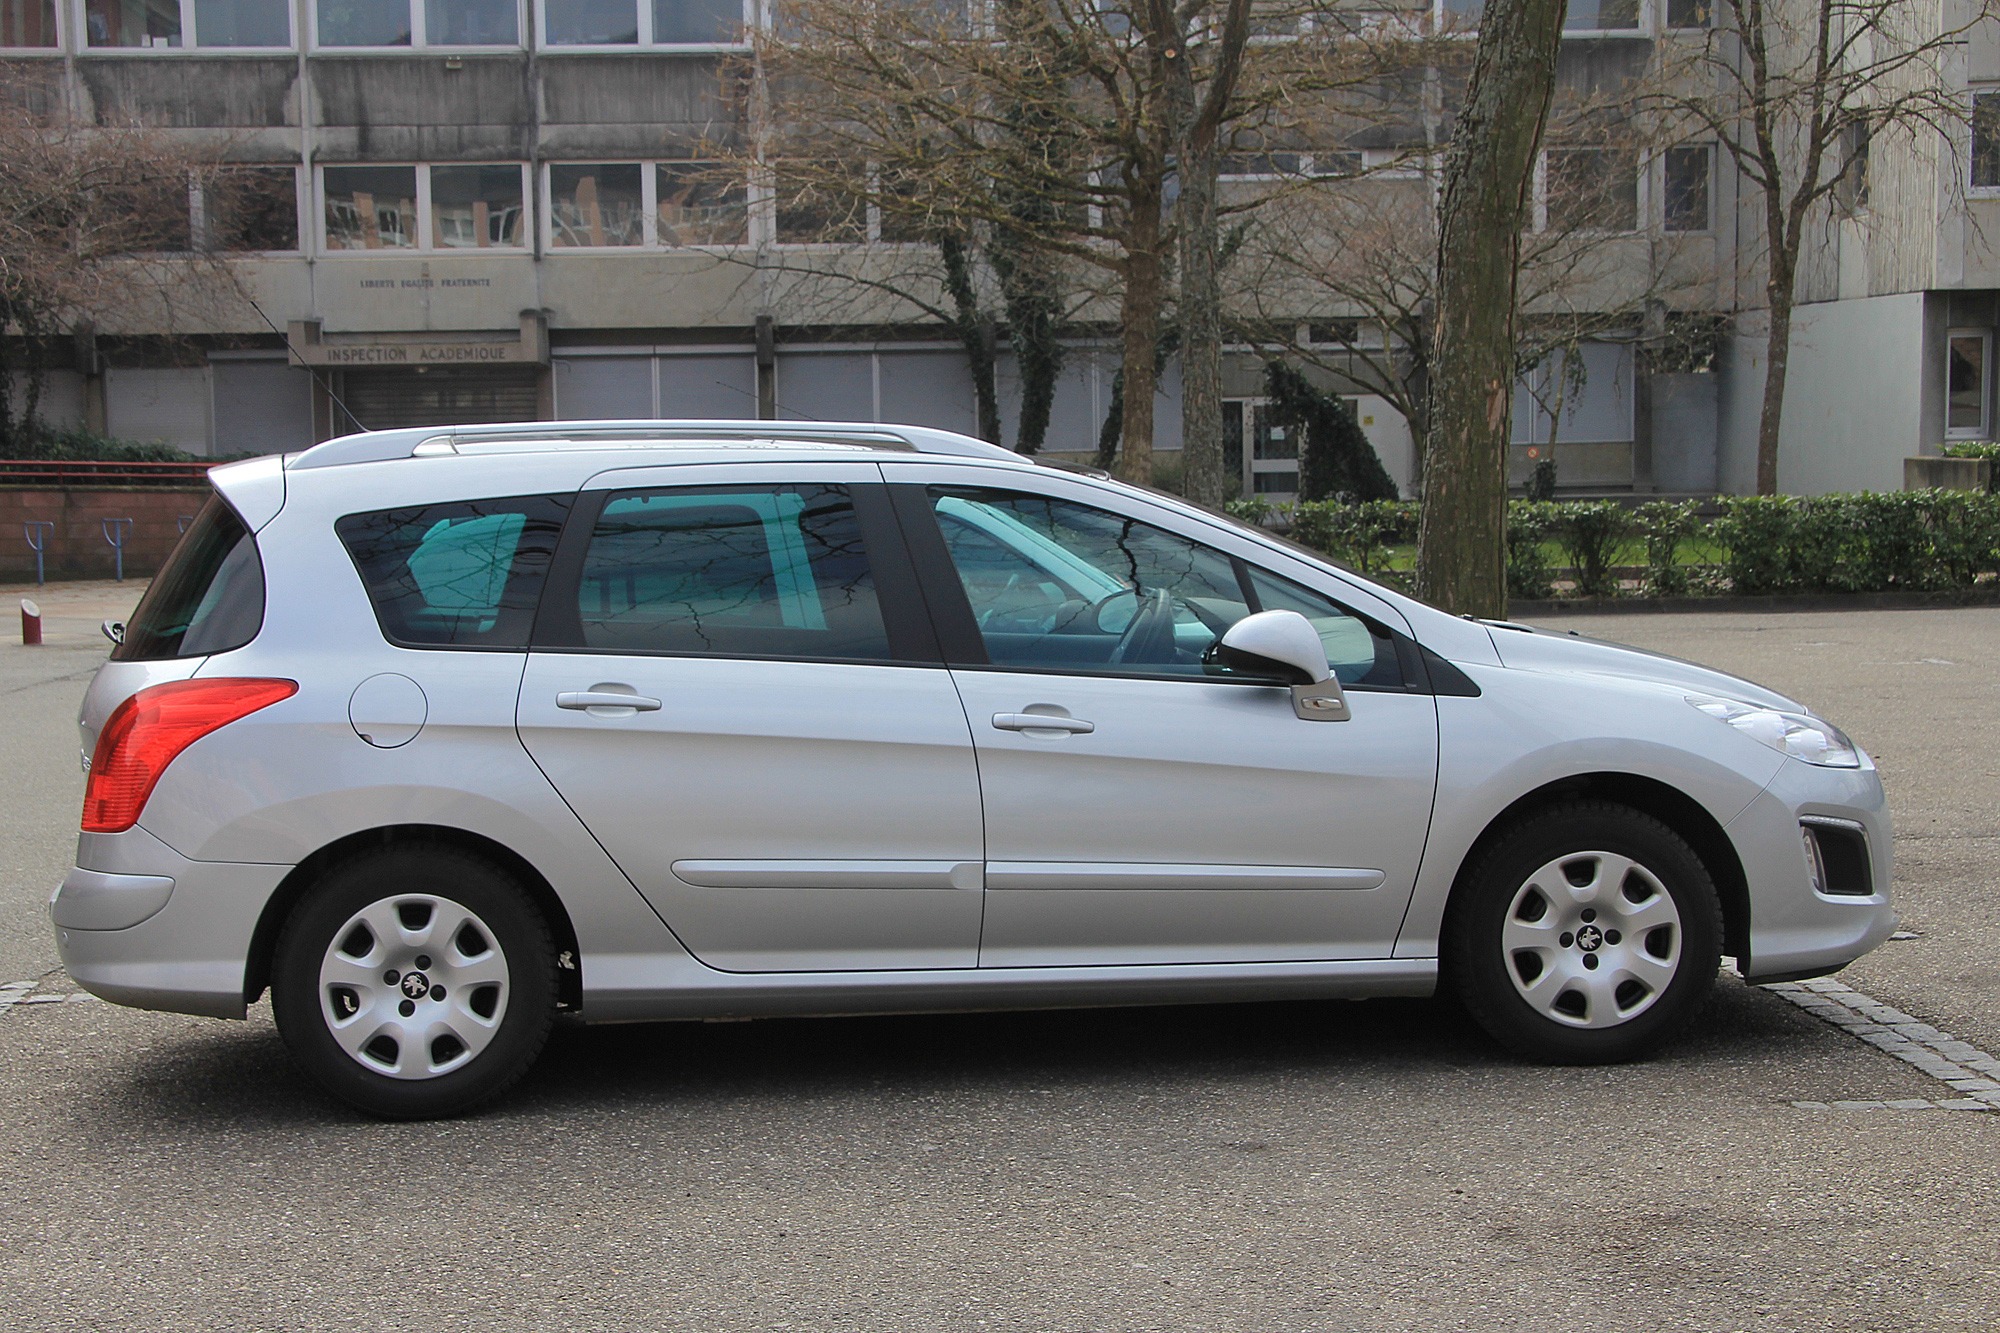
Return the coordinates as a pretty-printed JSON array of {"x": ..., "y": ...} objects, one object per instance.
[{"x": 1149, "y": 635}]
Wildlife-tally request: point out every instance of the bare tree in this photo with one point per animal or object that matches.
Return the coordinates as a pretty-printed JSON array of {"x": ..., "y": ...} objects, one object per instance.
[
  {"x": 96, "y": 219},
  {"x": 1794, "y": 92},
  {"x": 1360, "y": 252},
  {"x": 1461, "y": 539},
  {"x": 1057, "y": 133}
]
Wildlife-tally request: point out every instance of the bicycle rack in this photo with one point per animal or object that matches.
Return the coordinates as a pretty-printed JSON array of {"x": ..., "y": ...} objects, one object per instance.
[
  {"x": 115, "y": 531},
  {"x": 37, "y": 534}
]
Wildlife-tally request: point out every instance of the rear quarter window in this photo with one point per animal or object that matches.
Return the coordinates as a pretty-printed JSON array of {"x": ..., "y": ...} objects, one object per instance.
[
  {"x": 207, "y": 598},
  {"x": 461, "y": 575}
]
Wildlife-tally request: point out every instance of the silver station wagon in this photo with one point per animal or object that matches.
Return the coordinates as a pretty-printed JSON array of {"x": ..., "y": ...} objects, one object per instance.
[{"x": 436, "y": 733}]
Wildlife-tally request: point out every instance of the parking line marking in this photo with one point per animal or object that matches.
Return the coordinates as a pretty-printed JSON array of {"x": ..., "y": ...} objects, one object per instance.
[{"x": 1972, "y": 1074}]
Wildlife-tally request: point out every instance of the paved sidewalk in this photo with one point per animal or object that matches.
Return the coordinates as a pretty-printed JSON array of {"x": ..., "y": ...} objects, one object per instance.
[{"x": 71, "y": 612}]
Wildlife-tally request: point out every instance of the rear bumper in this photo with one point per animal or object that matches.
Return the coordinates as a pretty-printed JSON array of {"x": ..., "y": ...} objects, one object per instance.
[{"x": 192, "y": 922}]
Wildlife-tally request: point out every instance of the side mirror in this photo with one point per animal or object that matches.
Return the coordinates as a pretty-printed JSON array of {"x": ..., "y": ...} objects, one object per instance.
[{"x": 1285, "y": 645}]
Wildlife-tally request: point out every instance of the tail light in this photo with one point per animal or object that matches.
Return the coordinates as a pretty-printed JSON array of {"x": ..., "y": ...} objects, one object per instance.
[{"x": 147, "y": 731}]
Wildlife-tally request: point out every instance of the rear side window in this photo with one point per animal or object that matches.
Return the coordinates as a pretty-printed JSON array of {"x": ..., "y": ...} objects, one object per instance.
[
  {"x": 744, "y": 571},
  {"x": 209, "y": 597},
  {"x": 459, "y": 575}
]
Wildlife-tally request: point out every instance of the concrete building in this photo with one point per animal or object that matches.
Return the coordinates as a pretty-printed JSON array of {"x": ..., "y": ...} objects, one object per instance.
[{"x": 502, "y": 209}]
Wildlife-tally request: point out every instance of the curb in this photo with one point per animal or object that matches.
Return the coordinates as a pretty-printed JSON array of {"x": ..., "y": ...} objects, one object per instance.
[{"x": 1765, "y": 605}]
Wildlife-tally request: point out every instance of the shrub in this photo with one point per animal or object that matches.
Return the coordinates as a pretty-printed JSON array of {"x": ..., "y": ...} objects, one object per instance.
[
  {"x": 1359, "y": 534},
  {"x": 74, "y": 444},
  {"x": 1756, "y": 532},
  {"x": 1530, "y": 523},
  {"x": 1590, "y": 533},
  {"x": 1665, "y": 527}
]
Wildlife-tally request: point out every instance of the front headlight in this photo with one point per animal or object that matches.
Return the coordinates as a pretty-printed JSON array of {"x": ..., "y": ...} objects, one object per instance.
[{"x": 1800, "y": 735}]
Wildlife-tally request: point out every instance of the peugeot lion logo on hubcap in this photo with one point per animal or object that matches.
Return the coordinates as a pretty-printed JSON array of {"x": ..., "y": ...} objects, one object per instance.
[{"x": 1589, "y": 938}]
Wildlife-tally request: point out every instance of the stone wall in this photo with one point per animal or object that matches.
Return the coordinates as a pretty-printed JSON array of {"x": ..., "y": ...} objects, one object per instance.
[{"x": 76, "y": 549}]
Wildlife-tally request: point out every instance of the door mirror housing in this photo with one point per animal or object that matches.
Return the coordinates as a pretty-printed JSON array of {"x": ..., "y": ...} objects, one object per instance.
[{"x": 1285, "y": 645}]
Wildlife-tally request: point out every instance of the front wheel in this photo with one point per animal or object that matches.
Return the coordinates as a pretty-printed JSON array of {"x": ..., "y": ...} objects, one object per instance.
[
  {"x": 1589, "y": 934},
  {"x": 415, "y": 983}
]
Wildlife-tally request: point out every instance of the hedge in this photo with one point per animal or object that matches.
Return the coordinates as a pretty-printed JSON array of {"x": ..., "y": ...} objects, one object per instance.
[{"x": 1867, "y": 542}]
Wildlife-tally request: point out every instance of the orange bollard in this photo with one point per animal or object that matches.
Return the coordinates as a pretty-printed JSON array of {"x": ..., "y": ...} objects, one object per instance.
[{"x": 31, "y": 623}]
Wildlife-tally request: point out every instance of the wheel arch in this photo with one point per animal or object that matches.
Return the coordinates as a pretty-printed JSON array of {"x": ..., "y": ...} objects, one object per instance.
[
  {"x": 295, "y": 885},
  {"x": 1671, "y": 806}
]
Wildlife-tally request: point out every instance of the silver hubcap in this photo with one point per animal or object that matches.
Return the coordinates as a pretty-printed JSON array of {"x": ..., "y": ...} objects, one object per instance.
[
  {"x": 1592, "y": 940},
  {"x": 413, "y": 986}
]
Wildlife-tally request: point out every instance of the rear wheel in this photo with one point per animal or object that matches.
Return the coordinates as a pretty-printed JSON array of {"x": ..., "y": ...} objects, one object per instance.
[
  {"x": 415, "y": 982},
  {"x": 1589, "y": 934}
]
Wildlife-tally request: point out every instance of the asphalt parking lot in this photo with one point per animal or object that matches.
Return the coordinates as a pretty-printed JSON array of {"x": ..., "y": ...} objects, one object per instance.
[{"x": 1256, "y": 1169}]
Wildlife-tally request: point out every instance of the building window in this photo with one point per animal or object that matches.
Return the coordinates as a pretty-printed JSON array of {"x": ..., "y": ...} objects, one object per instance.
[
  {"x": 1601, "y": 16},
  {"x": 643, "y": 22},
  {"x": 1685, "y": 200},
  {"x": 599, "y": 205},
  {"x": 608, "y": 204},
  {"x": 1986, "y": 141},
  {"x": 816, "y": 207},
  {"x": 425, "y": 208},
  {"x": 697, "y": 207},
  {"x": 1690, "y": 13},
  {"x": 187, "y": 23},
  {"x": 419, "y": 23},
  {"x": 249, "y": 209},
  {"x": 1588, "y": 189},
  {"x": 27, "y": 23},
  {"x": 1968, "y": 383},
  {"x": 1852, "y": 192},
  {"x": 371, "y": 208}
]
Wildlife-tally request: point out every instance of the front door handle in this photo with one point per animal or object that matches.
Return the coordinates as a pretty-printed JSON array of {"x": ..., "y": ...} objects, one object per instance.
[
  {"x": 587, "y": 699},
  {"x": 1041, "y": 722}
]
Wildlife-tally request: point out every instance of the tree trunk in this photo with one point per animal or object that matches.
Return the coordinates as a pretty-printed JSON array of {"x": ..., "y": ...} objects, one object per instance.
[
  {"x": 1140, "y": 314},
  {"x": 1777, "y": 360},
  {"x": 1195, "y": 124},
  {"x": 1461, "y": 542}
]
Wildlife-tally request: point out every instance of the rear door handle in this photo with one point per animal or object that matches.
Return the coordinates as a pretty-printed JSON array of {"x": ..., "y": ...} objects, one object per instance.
[
  {"x": 587, "y": 699},
  {"x": 1041, "y": 722}
]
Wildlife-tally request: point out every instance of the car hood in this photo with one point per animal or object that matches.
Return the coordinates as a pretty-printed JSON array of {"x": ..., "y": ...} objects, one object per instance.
[{"x": 1524, "y": 648}]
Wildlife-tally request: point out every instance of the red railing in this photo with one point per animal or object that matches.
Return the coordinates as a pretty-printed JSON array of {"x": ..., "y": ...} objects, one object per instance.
[{"x": 55, "y": 473}]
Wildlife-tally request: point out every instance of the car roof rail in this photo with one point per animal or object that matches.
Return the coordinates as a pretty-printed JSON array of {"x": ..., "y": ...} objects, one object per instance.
[{"x": 430, "y": 441}]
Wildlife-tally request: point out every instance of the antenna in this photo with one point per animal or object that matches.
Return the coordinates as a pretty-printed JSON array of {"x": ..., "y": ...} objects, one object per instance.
[{"x": 310, "y": 370}]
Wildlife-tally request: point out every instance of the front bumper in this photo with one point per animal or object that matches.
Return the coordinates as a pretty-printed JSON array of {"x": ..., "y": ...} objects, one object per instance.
[
  {"x": 1795, "y": 931},
  {"x": 188, "y": 944}
]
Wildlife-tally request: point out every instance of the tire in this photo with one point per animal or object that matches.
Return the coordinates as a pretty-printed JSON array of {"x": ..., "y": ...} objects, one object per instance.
[
  {"x": 473, "y": 990},
  {"x": 1590, "y": 934}
]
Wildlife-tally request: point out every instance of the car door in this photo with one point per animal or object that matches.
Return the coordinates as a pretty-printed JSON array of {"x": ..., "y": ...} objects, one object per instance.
[
  {"x": 791, "y": 784},
  {"x": 1143, "y": 806}
]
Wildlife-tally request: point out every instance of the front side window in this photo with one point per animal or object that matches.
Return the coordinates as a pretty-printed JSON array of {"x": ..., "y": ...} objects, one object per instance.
[
  {"x": 27, "y": 23},
  {"x": 643, "y": 22},
  {"x": 460, "y": 575},
  {"x": 425, "y": 208},
  {"x": 208, "y": 598},
  {"x": 419, "y": 23},
  {"x": 739, "y": 571},
  {"x": 1059, "y": 586}
]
